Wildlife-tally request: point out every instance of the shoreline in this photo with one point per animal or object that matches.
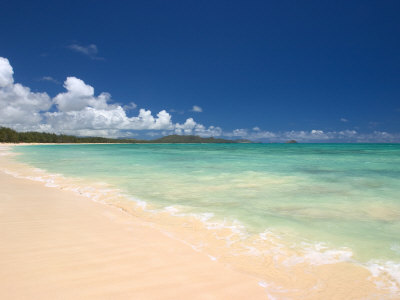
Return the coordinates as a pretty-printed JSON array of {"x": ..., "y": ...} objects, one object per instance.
[
  {"x": 56, "y": 244},
  {"x": 341, "y": 280}
]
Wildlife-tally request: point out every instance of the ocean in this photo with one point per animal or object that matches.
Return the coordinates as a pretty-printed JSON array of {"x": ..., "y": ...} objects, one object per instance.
[{"x": 318, "y": 203}]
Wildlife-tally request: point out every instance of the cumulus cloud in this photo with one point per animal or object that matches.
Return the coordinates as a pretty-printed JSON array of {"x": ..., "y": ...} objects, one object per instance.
[
  {"x": 196, "y": 108},
  {"x": 78, "y": 96},
  {"x": 81, "y": 112},
  {"x": 146, "y": 121},
  {"x": 190, "y": 127},
  {"x": 88, "y": 118},
  {"x": 19, "y": 107}
]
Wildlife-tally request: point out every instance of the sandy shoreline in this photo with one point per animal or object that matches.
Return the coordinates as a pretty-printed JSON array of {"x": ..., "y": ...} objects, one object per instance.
[
  {"x": 59, "y": 244},
  {"x": 55, "y": 244}
]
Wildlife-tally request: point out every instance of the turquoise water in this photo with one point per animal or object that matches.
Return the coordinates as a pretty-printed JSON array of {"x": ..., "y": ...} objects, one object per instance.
[{"x": 342, "y": 195}]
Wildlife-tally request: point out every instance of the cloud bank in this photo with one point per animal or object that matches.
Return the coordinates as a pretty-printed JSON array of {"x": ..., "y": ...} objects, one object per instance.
[
  {"x": 79, "y": 111},
  {"x": 316, "y": 136}
]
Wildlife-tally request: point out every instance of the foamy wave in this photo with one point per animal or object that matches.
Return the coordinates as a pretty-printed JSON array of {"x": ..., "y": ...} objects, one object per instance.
[
  {"x": 142, "y": 204},
  {"x": 237, "y": 229},
  {"x": 319, "y": 254},
  {"x": 59, "y": 181},
  {"x": 310, "y": 253},
  {"x": 386, "y": 274},
  {"x": 47, "y": 179}
]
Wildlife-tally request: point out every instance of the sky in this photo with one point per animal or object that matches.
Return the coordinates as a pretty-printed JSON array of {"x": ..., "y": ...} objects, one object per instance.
[{"x": 314, "y": 71}]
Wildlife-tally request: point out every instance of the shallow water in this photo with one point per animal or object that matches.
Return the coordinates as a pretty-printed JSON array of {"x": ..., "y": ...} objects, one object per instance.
[{"x": 344, "y": 197}]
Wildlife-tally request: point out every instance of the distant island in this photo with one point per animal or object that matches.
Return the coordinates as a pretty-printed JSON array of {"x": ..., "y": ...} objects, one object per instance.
[
  {"x": 8, "y": 135},
  {"x": 291, "y": 142}
]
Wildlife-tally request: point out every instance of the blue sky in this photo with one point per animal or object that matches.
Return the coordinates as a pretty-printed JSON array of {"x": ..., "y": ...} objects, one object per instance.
[{"x": 264, "y": 70}]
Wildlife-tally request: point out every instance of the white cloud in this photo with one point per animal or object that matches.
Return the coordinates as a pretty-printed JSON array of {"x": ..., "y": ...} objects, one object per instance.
[
  {"x": 6, "y": 73},
  {"x": 256, "y": 134},
  {"x": 377, "y": 137},
  {"x": 88, "y": 118},
  {"x": 262, "y": 135},
  {"x": 202, "y": 131},
  {"x": 190, "y": 127},
  {"x": 78, "y": 96},
  {"x": 186, "y": 128},
  {"x": 80, "y": 111},
  {"x": 196, "y": 108},
  {"x": 343, "y": 120},
  {"x": 130, "y": 106},
  {"x": 49, "y": 79},
  {"x": 90, "y": 50},
  {"x": 347, "y": 133},
  {"x": 313, "y": 135},
  {"x": 19, "y": 107},
  {"x": 146, "y": 121},
  {"x": 240, "y": 132},
  {"x": 316, "y": 136}
]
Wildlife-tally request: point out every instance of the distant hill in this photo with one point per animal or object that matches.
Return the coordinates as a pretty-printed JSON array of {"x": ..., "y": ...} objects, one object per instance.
[{"x": 8, "y": 135}]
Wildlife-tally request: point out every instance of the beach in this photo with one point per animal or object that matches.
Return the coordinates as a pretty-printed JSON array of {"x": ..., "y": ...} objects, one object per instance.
[
  {"x": 200, "y": 150},
  {"x": 58, "y": 245},
  {"x": 79, "y": 238}
]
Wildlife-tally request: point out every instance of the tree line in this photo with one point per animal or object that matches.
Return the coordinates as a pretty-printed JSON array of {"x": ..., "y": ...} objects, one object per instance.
[{"x": 8, "y": 135}]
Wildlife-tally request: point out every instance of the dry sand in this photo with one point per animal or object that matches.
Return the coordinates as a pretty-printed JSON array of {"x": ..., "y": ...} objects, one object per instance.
[{"x": 57, "y": 245}]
